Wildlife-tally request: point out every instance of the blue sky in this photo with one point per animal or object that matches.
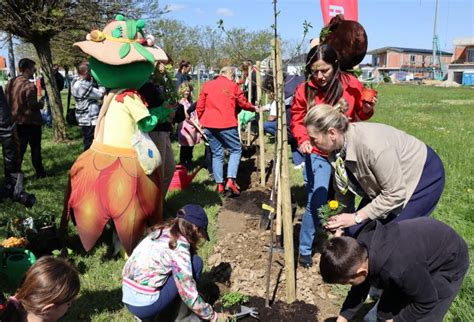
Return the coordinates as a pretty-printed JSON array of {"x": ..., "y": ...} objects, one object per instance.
[{"x": 400, "y": 23}]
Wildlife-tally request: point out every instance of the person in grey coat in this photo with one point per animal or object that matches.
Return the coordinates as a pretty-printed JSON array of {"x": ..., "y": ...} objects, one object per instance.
[{"x": 87, "y": 97}]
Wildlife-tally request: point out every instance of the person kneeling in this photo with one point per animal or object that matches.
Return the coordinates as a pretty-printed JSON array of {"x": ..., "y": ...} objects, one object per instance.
[
  {"x": 165, "y": 264},
  {"x": 418, "y": 263}
]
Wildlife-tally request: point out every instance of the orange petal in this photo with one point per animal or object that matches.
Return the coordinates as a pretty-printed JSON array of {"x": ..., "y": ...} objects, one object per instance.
[
  {"x": 83, "y": 177},
  {"x": 116, "y": 189},
  {"x": 90, "y": 219},
  {"x": 103, "y": 161},
  {"x": 131, "y": 226},
  {"x": 130, "y": 165}
]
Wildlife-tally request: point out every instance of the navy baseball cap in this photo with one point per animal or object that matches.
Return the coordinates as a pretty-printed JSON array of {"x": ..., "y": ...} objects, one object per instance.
[{"x": 195, "y": 215}]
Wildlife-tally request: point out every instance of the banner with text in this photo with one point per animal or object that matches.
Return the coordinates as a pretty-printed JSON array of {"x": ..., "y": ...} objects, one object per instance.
[{"x": 331, "y": 8}]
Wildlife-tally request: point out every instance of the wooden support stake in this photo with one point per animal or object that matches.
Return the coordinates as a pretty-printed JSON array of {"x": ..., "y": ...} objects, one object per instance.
[
  {"x": 287, "y": 216},
  {"x": 249, "y": 92},
  {"x": 261, "y": 135}
]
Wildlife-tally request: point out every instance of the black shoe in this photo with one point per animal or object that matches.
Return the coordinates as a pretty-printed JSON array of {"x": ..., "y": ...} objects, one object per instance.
[{"x": 305, "y": 261}]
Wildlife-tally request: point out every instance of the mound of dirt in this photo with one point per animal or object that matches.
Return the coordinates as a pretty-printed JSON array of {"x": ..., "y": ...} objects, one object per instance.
[{"x": 239, "y": 263}]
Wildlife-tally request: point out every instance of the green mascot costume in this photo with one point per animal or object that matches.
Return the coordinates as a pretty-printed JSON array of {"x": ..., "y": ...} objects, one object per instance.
[{"x": 119, "y": 177}]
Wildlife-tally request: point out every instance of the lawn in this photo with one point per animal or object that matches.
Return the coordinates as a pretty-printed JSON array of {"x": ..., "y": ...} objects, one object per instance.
[{"x": 441, "y": 117}]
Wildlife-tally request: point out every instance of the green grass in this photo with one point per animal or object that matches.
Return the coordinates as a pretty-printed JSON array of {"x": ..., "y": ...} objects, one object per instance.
[{"x": 441, "y": 117}]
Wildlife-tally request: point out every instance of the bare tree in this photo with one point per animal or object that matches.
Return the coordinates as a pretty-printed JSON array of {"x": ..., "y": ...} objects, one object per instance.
[{"x": 209, "y": 46}]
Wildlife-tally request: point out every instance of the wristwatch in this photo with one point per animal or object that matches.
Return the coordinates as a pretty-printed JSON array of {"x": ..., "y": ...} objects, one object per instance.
[{"x": 357, "y": 218}]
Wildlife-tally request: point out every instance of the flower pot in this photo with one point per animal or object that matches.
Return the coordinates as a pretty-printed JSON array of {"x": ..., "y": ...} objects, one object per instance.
[{"x": 368, "y": 94}]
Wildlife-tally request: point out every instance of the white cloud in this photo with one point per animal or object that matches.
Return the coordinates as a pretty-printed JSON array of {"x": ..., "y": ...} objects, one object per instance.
[
  {"x": 199, "y": 11},
  {"x": 175, "y": 7},
  {"x": 224, "y": 12}
]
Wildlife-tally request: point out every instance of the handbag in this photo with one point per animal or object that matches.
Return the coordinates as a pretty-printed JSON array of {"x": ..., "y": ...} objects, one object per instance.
[
  {"x": 147, "y": 153},
  {"x": 71, "y": 116},
  {"x": 70, "y": 112}
]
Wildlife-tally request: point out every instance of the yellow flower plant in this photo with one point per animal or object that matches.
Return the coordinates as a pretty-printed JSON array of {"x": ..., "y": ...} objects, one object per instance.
[{"x": 332, "y": 208}]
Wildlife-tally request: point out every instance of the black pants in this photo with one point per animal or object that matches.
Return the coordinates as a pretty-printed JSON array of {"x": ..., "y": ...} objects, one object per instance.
[
  {"x": 186, "y": 155},
  {"x": 11, "y": 161},
  {"x": 208, "y": 159},
  {"x": 30, "y": 134},
  {"x": 88, "y": 135},
  {"x": 11, "y": 151}
]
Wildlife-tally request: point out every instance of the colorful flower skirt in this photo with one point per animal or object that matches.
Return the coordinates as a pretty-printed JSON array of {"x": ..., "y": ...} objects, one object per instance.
[{"x": 108, "y": 183}]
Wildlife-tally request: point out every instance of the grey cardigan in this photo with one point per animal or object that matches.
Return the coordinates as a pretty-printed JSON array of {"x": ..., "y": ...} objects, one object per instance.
[{"x": 387, "y": 164}]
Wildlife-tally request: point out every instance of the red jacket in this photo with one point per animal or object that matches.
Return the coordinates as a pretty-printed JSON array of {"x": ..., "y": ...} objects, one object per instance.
[
  {"x": 352, "y": 93},
  {"x": 219, "y": 103}
]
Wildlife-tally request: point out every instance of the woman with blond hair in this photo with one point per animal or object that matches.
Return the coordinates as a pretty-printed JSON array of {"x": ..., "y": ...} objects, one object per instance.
[{"x": 398, "y": 176}]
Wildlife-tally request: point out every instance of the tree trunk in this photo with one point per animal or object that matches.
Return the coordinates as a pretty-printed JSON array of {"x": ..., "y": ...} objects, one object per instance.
[
  {"x": 11, "y": 56},
  {"x": 43, "y": 50}
]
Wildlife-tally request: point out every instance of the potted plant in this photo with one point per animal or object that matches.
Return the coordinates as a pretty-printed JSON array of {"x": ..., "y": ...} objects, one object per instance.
[
  {"x": 369, "y": 92},
  {"x": 332, "y": 208}
]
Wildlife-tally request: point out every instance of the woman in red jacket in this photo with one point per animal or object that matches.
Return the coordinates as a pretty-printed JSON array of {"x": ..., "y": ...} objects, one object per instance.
[{"x": 326, "y": 83}]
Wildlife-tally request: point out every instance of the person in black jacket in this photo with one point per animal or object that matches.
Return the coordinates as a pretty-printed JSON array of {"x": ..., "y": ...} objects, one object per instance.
[
  {"x": 13, "y": 186},
  {"x": 418, "y": 263}
]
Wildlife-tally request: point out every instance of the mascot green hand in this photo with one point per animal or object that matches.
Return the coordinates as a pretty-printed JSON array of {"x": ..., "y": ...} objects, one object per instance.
[{"x": 108, "y": 182}]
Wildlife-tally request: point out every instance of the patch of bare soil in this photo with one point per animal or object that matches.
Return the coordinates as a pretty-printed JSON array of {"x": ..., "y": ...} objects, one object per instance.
[{"x": 240, "y": 261}]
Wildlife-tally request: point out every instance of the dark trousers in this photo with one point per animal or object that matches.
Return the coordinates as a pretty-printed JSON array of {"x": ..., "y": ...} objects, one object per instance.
[
  {"x": 88, "y": 135},
  {"x": 208, "y": 159},
  {"x": 30, "y": 134},
  {"x": 423, "y": 200},
  {"x": 186, "y": 155},
  {"x": 11, "y": 151},
  {"x": 168, "y": 293}
]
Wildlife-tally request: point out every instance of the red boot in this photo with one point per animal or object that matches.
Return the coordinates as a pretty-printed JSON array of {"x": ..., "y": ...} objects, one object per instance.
[
  {"x": 232, "y": 187},
  {"x": 220, "y": 188}
]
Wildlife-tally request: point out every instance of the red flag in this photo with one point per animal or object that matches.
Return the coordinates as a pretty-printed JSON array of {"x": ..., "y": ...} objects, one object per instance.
[{"x": 331, "y": 8}]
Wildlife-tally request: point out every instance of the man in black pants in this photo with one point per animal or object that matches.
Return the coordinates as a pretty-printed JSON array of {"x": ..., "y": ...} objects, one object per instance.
[{"x": 13, "y": 186}]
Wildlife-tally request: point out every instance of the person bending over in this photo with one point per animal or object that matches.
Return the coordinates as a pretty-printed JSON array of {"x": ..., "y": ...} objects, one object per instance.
[{"x": 418, "y": 263}]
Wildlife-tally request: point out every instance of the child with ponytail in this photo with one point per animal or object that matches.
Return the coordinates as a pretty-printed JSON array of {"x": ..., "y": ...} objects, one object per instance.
[{"x": 165, "y": 265}]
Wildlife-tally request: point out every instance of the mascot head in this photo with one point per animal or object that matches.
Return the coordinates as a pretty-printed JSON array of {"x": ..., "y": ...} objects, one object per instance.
[{"x": 121, "y": 57}]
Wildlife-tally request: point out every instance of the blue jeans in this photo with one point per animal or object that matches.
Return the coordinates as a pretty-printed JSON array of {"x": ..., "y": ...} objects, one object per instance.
[
  {"x": 228, "y": 139},
  {"x": 317, "y": 173},
  {"x": 270, "y": 127},
  {"x": 168, "y": 293}
]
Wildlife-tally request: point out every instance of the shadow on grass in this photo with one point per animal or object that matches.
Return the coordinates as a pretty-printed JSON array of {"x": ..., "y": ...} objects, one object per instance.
[
  {"x": 196, "y": 193},
  {"x": 91, "y": 302}
]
